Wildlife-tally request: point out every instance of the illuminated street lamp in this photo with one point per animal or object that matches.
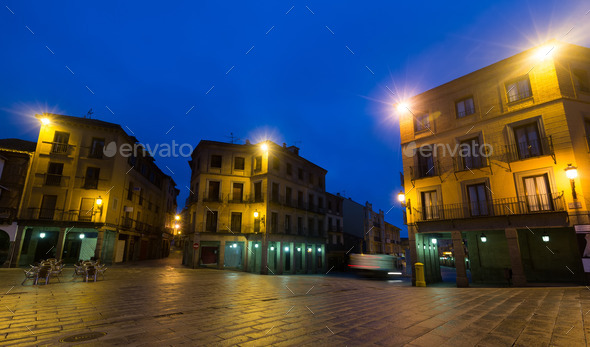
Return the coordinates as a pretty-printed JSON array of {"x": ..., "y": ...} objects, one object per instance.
[
  {"x": 572, "y": 172},
  {"x": 177, "y": 217},
  {"x": 401, "y": 197},
  {"x": 45, "y": 121},
  {"x": 483, "y": 238},
  {"x": 81, "y": 236},
  {"x": 99, "y": 201},
  {"x": 264, "y": 147},
  {"x": 256, "y": 214},
  {"x": 434, "y": 241},
  {"x": 545, "y": 237},
  {"x": 42, "y": 235}
]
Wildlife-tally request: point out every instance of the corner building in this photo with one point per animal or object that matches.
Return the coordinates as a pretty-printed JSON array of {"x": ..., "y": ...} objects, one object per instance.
[
  {"x": 82, "y": 200},
  {"x": 256, "y": 207},
  {"x": 515, "y": 203}
]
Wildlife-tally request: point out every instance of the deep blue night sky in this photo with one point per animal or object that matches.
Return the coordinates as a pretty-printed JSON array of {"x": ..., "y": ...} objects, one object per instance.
[{"x": 150, "y": 62}]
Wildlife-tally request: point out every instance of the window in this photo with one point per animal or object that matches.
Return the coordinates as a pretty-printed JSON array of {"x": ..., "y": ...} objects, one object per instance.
[
  {"x": 258, "y": 163},
  {"x": 300, "y": 199},
  {"x": 465, "y": 107},
  {"x": 587, "y": 126},
  {"x": 274, "y": 222},
  {"x": 238, "y": 192},
  {"x": 236, "y": 222},
  {"x": 470, "y": 155},
  {"x": 97, "y": 148},
  {"x": 216, "y": 161},
  {"x": 239, "y": 163},
  {"x": 48, "y": 207},
  {"x": 320, "y": 202},
  {"x": 300, "y": 173},
  {"x": 213, "y": 191},
  {"x": 329, "y": 206},
  {"x": 421, "y": 123},
  {"x": 54, "y": 172},
  {"x": 310, "y": 226},
  {"x": 300, "y": 225},
  {"x": 60, "y": 142},
  {"x": 310, "y": 178},
  {"x": 519, "y": 89},
  {"x": 211, "y": 223},
  {"x": 429, "y": 205},
  {"x": 258, "y": 192},
  {"x": 288, "y": 224},
  {"x": 310, "y": 199},
  {"x": 91, "y": 178},
  {"x": 289, "y": 169},
  {"x": 141, "y": 197},
  {"x": 275, "y": 192},
  {"x": 478, "y": 200},
  {"x": 528, "y": 142},
  {"x": 581, "y": 78},
  {"x": 320, "y": 226},
  {"x": 86, "y": 210},
  {"x": 538, "y": 193},
  {"x": 276, "y": 164},
  {"x": 425, "y": 162},
  {"x": 130, "y": 191},
  {"x": 288, "y": 196}
]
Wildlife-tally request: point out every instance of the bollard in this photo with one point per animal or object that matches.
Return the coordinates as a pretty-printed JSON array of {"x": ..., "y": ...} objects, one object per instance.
[{"x": 419, "y": 268}]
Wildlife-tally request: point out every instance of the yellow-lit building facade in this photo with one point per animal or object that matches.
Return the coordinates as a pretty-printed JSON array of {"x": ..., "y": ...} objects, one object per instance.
[
  {"x": 498, "y": 162},
  {"x": 93, "y": 192},
  {"x": 255, "y": 207}
]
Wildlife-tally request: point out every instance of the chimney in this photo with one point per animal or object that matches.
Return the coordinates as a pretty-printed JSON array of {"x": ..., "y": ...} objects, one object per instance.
[
  {"x": 284, "y": 145},
  {"x": 248, "y": 142}
]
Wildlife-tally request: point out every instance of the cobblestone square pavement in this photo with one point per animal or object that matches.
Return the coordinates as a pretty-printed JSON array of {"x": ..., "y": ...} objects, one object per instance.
[{"x": 156, "y": 304}]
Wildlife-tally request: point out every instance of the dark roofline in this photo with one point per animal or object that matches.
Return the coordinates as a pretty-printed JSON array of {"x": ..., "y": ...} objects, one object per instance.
[
  {"x": 18, "y": 145},
  {"x": 251, "y": 145},
  {"x": 494, "y": 65}
]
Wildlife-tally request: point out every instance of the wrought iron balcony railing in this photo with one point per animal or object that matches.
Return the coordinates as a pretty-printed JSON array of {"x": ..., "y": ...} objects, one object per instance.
[
  {"x": 530, "y": 149},
  {"x": 530, "y": 204}
]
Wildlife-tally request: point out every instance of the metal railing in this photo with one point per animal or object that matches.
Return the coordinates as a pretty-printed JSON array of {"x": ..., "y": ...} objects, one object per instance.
[
  {"x": 512, "y": 97},
  {"x": 530, "y": 204},
  {"x": 50, "y": 214},
  {"x": 53, "y": 179},
  {"x": 530, "y": 149}
]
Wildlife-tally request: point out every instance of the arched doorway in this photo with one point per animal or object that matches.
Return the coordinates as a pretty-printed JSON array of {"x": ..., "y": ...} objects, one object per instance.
[{"x": 4, "y": 246}]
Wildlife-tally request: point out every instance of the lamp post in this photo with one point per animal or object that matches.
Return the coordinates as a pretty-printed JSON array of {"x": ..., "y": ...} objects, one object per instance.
[
  {"x": 572, "y": 172},
  {"x": 99, "y": 206}
]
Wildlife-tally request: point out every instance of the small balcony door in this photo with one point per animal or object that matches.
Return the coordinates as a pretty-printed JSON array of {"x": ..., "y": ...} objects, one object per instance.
[
  {"x": 478, "y": 200},
  {"x": 538, "y": 193},
  {"x": 86, "y": 210},
  {"x": 48, "y": 207},
  {"x": 528, "y": 141},
  {"x": 237, "y": 192},
  {"x": 429, "y": 205}
]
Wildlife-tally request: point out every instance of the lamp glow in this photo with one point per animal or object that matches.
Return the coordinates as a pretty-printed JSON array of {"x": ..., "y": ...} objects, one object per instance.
[
  {"x": 42, "y": 235},
  {"x": 264, "y": 147},
  {"x": 309, "y": 250},
  {"x": 176, "y": 226},
  {"x": 545, "y": 52},
  {"x": 272, "y": 248},
  {"x": 402, "y": 106},
  {"x": 483, "y": 238},
  {"x": 256, "y": 214},
  {"x": 81, "y": 236},
  {"x": 99, "y": 201},
  {"x": 177, "y": 217},
  {"x": 434, "y": 241},
  {"x": 255, "y": 245},
  {"x": 286, "y": 249},
  {"x": 319, "y": 250},
  {"x": 571, "y": 171},
  {"x": 401, "y": 197},
  {"x": 545, "y": 237},
  {"x": 45, "y": 121},
  {"x": 298, "y": 249}
]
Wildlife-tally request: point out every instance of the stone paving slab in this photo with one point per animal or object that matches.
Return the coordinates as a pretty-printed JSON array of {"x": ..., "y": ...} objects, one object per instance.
[{"x": 158, "y": 303}]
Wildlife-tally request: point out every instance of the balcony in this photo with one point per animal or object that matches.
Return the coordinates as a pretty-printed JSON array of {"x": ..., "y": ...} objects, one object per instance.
[
  {"x": 58, "y": 215},
  {"x": 126, "y": 222},
  {"x": 530, "y": 149},
  {"x": 53, "y": 179},
  {"x": 424, "y": 171},
  {"x": 523, "y": 205},
  {"x": 7, "y": 213}
]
